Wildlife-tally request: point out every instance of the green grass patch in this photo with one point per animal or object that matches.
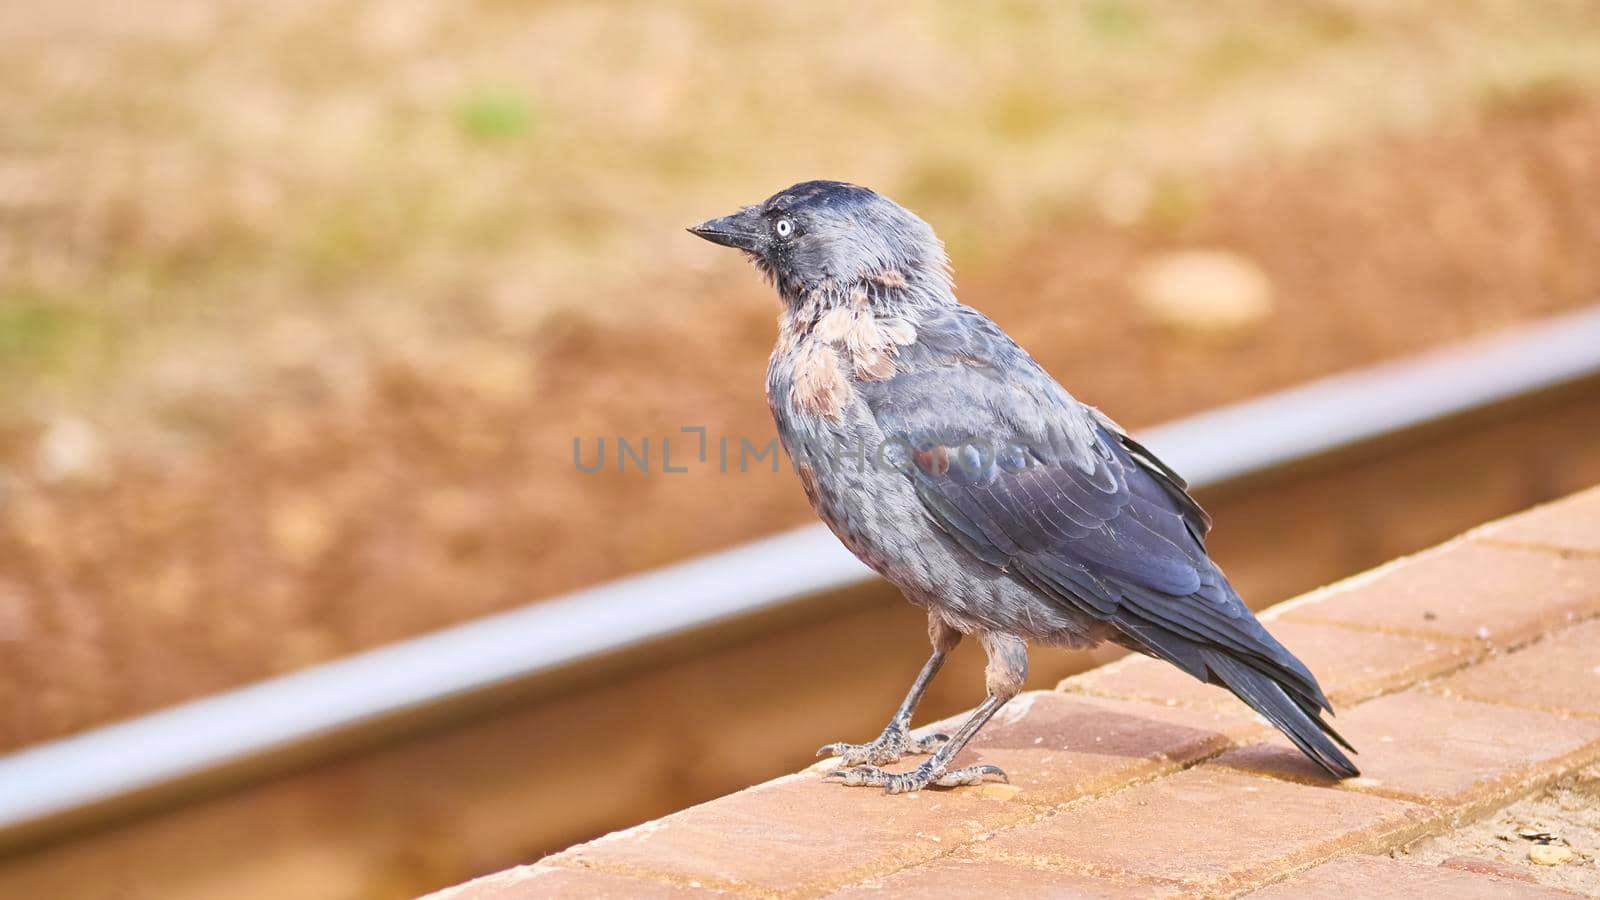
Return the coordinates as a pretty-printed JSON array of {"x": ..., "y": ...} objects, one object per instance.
[
  {"x": 1114, "y": 18},
  {"x": 1174, "y": 203},
  {"x": 40, "y": 335},
  {"x": 496, "y": 114}
]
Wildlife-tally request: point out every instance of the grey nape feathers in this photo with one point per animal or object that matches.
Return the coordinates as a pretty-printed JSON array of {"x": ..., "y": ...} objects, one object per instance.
[{"x": 945, "y": 458}]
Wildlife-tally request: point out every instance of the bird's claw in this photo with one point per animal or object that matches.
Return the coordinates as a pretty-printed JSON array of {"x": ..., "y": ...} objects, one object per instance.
[
  {"x": 916, "y": 779},
  {"x": 889, "y": 747},
  {"x": 973, "y": 775}
]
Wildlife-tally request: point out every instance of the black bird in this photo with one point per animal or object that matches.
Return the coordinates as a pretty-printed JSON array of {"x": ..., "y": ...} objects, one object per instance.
[{"x": 950, "y": 462}]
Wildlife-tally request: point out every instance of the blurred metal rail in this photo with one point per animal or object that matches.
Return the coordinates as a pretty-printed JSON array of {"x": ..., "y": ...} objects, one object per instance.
[{"x": 47, "y": 789}]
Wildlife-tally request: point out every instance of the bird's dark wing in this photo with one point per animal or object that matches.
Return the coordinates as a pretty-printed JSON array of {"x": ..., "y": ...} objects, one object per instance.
[{"x": 1028, "y": 480}]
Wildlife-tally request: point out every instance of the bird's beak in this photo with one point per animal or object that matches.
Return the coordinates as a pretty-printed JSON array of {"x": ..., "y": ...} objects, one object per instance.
[{"x": 743, "y": 230}]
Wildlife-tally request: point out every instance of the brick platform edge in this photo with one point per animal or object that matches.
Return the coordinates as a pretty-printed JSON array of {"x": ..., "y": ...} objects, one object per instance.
[{"x": 1468, "y": 676}]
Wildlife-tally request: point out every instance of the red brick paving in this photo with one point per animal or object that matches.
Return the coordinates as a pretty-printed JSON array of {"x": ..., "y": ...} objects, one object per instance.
[
  {"x": 1376, "y": 878},
  {"x": 1468, "y": 591},
  {"x": 1452, "y": 754},
  {"x": 1060, "y": 748},
  {"x": 791, "y": 836},
  {"x": 553, "y": 881},
  {"x": 1485, "y": 866},
  {"x": 1057, "y": 748},
  {"x": 1560, "y": 673},
  {"x": 1574, "y": 528},
  {"x": 1208, "y": 828},
  {"x": 957, "y": 878},
  {"x": 1466, "y": 676},
  {"x": 1351, "y": 665}
]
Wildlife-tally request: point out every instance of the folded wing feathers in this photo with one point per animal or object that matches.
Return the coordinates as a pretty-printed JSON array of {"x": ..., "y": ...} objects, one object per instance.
[{"x": 1129, "y": 551}]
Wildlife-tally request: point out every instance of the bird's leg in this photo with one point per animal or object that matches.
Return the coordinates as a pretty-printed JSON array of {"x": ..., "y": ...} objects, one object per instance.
[
  {"x": 896, "y": 740},
  {"x": 1005, "y": 673}
]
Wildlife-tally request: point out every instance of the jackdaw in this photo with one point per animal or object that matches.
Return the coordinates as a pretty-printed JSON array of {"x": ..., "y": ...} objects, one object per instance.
[{"x": 952, "y": 464}]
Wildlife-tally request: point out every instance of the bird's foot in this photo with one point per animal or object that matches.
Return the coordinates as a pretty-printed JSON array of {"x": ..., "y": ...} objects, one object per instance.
[
  {"x": 889, "y": 747},
  {"x": 918, "y": 778}
]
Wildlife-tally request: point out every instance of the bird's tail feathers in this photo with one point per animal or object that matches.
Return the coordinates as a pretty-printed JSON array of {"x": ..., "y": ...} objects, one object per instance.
[
  {"x": 1296, "y": 717},
  {"x": 1281, "y": 699}
]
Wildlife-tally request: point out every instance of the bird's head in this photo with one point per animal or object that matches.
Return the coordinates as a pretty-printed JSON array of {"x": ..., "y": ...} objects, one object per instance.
[{"x": 831, "y": 236}]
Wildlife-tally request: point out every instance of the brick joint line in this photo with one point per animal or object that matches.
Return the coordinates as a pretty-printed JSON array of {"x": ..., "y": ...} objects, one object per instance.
[
  {"x": 1490, "y": 539},
  {"x": 671, "y": 879}
]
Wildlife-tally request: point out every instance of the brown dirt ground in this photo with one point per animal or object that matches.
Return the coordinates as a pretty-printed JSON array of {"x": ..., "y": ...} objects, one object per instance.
[
  {"x": 437, "y": 483},
  {"x": 1567, "y": 814}
]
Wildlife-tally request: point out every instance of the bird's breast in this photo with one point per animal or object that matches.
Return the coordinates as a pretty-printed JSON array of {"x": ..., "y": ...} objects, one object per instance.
[
  {"x": 817, "y": 385},
  {"x": 821, "y": 355}
]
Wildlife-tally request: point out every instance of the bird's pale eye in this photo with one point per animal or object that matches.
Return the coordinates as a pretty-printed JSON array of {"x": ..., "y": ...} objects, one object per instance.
[{"x": 784, "y": 228}]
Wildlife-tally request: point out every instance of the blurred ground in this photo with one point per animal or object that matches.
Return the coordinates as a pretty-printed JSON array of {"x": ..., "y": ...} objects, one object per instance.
[{"x": 301, "y": 308}]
